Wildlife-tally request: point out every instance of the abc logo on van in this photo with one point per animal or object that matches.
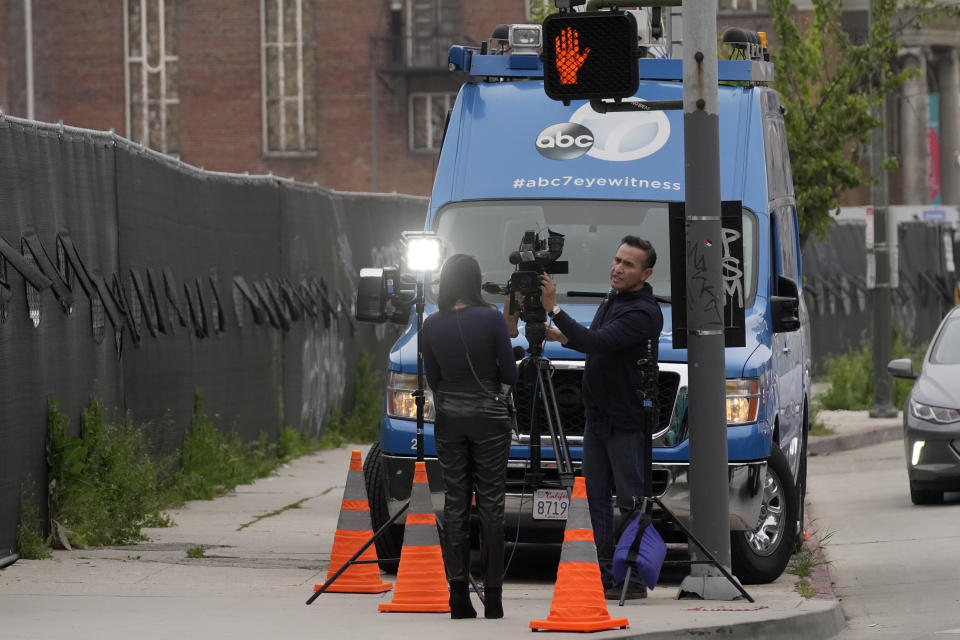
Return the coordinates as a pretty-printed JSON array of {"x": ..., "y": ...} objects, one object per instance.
[
  {"x": 564, "y": 141},
  {"x": 614, "y": 137}
]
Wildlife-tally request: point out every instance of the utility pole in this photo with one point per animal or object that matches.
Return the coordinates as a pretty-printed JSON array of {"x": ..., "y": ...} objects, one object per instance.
[
  {"x": 878, "y": 267},
  {"x": 709, "y": 498}
]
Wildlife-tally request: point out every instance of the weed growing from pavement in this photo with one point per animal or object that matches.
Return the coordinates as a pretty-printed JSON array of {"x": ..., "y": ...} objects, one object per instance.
[
  {"x": 105, "y": 485},
  {"x": 817, "y": 428},
  {"x": 31, "y": 545},
  {"x": 362, "y": 426},
  {"x": 196, "y": 552},
  {"x": 851, "y": 375},
  {"x": 803, "y": 563}
]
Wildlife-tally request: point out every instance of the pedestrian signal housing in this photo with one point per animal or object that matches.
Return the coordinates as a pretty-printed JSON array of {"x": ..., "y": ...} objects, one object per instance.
[{"x": 590, "y": 55}]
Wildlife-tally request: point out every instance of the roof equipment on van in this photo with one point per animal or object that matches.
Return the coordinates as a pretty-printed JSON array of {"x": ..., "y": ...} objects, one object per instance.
[
  {"x": 518, "y": 39},
  {"x": 746, "y": 44}
]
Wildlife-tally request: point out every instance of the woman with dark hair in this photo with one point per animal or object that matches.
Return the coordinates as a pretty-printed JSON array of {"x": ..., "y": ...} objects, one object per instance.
[{"x": 469, "y": 364}]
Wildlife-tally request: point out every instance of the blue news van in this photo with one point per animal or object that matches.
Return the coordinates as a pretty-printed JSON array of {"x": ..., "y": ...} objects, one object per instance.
[{"x": 513, "y": 160}]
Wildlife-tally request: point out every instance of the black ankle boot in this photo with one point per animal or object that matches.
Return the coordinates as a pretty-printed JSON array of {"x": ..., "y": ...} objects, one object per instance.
[
  {"x": 460, "y": 606},
  {"x": 493, "y": 602}
]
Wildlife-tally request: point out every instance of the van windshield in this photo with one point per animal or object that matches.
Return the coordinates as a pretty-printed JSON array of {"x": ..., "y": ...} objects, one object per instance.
[{"x": 490, "y": 230}]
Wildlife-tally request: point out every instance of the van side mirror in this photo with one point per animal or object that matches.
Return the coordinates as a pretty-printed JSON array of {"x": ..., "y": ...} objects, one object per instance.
[
  {"x": 785, "y": 306},
  {"x": 901, "y": 368}
]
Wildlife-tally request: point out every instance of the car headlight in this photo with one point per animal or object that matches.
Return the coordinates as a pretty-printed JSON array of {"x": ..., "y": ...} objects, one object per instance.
[
  {"x": 939, "y": 415},
  {"x": 400, "y": 400},
  {"x": 743, "y": 400}
]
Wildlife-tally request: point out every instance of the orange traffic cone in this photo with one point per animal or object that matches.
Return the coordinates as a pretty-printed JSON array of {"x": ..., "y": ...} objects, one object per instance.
[
  {"x": 421, "y": 577},
  {"x": 353, "y": 531},
  {"x": 579, "y": 603}
]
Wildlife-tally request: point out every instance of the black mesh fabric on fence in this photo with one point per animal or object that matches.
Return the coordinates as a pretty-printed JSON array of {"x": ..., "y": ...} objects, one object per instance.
[
  {"x": 131, "y": 277},
  {"x": 838, "y": 299}
]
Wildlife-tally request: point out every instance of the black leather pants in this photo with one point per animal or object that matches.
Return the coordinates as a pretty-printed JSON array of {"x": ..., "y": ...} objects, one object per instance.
[{"x": 472, "y": 433}]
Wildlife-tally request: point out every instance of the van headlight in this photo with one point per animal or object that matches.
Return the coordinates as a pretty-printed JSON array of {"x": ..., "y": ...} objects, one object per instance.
[
  {"x": 939, "y": 415},
  {"x": 743, "y": 400},
  {"x": 400, "y": 400}
]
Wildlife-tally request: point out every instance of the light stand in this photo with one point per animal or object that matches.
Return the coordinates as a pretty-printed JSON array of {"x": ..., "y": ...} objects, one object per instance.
[
  {"x": 423, "y": 258},
  {"x": 419, "y": 395},
  {"x": 649, "y": 373}
]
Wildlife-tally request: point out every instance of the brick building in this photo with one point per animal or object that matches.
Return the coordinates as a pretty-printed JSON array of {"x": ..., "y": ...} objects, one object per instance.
[{"x": 351, "y": 95}]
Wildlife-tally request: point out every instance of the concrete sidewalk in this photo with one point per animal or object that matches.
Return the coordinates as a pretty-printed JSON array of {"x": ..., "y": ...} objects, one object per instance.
[{"x": 268, "y": 543}]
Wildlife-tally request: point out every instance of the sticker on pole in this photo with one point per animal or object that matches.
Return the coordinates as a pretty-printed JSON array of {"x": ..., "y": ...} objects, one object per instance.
[{"x": 550, "y": 504}]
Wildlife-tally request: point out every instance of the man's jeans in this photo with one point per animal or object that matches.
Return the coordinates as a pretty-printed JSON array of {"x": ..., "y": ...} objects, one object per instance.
[{"x": 613, "y": 461}]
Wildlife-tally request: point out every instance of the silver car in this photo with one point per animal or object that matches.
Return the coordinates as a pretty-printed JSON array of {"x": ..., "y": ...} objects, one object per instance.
[{"x": 931, "y": 417}]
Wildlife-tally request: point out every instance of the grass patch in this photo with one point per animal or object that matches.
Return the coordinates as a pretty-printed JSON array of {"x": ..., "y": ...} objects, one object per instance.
[
  {"x": 196, "y": 552},
  {"x": 362, "y": 426},
  {"x": 293, "y": 505},
  {"x": 803, "y": 563},
  {"x": 105, "y": 485},
  {"x": 851, "y": 376},
  {"x": 805, "y": 588},
  {"x": 31, "y": 544},
  {"x": 817, "y": 428}
]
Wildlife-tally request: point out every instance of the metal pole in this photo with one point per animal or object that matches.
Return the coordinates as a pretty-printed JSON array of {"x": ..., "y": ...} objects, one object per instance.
[
  {"x": 880, "y": 267},
  {"x": 709, "y": 498},
  {"x": 28, "y": 51},
  {"x": 420, "y": 394}
]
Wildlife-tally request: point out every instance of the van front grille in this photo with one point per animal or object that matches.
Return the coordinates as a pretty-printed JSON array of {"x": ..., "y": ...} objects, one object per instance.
[{"x": 567, "y": 385}]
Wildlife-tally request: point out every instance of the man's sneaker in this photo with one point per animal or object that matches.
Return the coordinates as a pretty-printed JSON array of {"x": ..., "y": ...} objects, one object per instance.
[{"x": 634, "y": 592}]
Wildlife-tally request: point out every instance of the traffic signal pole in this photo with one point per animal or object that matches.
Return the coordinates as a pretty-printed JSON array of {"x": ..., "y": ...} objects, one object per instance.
[
  {"x": 709, "y": 498},
  {"x": 879, "y": 254}
]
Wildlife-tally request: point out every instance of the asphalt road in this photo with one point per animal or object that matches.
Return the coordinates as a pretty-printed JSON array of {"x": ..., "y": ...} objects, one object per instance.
[{"x": 894, "y": 565}]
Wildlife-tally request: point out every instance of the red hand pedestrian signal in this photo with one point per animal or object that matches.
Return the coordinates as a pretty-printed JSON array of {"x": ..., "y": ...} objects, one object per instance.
[
  {"x": 568, "y": 57},
  {"x": 590, "y": 55}
]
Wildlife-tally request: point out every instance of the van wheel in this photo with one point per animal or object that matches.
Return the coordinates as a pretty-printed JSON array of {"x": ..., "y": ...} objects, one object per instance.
[
  {"x": 391, "y": 541},
  {"x": 761, "y": 555}
]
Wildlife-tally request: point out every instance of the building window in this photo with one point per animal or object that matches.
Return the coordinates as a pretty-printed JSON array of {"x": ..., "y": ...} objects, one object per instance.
[
  {"x": 288, "y": 69},
  {"x": 152, "y": 74},
  {"x": 744, "y": 5},
  {"x": 428, "y": 113}
]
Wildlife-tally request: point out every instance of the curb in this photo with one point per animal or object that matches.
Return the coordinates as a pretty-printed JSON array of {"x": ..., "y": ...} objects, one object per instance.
[
  {"x": 825, "y": 623},
  {"x": 820, "y": 445}
]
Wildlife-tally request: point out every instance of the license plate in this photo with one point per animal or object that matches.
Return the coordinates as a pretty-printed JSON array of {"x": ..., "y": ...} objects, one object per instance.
[{"x": 550, "y": 504}]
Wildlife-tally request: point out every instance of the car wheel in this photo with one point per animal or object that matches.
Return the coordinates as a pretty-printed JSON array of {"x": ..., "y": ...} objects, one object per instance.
[
  {"x": 925, "y": 496},
  {"x": 390, "y": 541},
  {"x": 761, "y": 555}
]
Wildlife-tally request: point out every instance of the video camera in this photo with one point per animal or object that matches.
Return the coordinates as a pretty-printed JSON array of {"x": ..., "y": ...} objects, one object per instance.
[{"x": 535, "y": 256}]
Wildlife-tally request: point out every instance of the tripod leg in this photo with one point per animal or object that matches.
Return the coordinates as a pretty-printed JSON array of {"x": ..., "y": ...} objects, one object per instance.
[
  {"x": 705, "y": 552},
  {"x": 353, "y": 558},
  {"x": 557, "y": 437},
  {"x": 626, "y": 585}
]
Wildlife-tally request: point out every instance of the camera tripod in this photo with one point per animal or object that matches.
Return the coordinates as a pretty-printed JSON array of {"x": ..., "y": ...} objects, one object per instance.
[
  {"x": 649, "y": 374},
  {"x": 535, "y": 369}
]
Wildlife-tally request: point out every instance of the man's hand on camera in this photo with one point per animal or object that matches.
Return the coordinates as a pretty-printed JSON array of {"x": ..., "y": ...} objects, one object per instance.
[
  {"x": 512, "y": 318},
  {"x": 548, "y": 292},
  {"x": 555, "y": 335}
]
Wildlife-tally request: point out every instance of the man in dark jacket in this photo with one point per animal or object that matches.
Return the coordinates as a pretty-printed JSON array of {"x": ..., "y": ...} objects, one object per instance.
[{"x": 627, "y": 324}]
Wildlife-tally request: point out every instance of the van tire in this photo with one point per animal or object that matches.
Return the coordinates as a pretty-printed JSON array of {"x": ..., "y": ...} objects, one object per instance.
[
  {"x": 389, "y": 544},
  {"x": 760, "y": 556}
]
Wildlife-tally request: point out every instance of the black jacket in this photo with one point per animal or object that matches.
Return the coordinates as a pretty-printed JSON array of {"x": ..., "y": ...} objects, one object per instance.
[{"x": 618, "y": 337}]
